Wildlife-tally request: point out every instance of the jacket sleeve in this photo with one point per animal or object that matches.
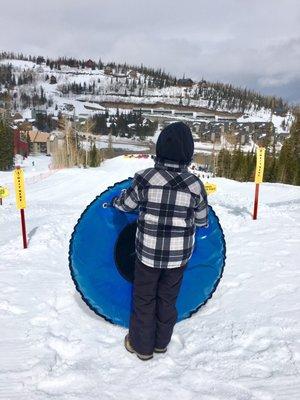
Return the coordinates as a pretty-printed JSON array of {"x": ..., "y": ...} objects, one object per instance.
[
  {"x": 201, "y": 209},
  {"x": 129, "y": 198}
]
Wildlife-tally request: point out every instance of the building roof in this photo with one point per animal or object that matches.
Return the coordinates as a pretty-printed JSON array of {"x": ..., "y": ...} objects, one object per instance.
[
  {"x": 17, "y": 116},
  {"x": 38, "y": 137},
  {"x": 185, "y": 81}
]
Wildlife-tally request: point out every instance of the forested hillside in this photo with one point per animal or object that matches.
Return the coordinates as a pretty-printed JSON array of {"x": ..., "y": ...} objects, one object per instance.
[{"x": 123, "y": 80}]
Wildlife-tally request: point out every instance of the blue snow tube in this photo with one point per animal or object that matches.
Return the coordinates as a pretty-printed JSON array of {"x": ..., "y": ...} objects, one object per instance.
[{"x": 101, "y": 259}]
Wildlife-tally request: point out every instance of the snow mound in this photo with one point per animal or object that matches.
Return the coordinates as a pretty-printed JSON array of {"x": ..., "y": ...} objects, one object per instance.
[{"x": 242, "y": 345}]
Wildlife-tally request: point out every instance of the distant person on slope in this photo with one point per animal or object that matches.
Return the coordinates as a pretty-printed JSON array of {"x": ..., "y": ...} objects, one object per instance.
[{"x": 171, "y": 203}]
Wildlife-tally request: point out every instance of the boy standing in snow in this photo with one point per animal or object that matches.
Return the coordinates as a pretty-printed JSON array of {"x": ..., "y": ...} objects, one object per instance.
[{"x": 171, "y": 202}]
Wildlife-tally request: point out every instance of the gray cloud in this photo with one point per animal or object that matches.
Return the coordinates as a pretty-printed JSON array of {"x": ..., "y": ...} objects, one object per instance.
[{"x": 254, "y": 44}]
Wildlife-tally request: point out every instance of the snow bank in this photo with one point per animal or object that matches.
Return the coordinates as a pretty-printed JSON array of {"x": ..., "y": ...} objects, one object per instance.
[{"x": 242, "y": 345}]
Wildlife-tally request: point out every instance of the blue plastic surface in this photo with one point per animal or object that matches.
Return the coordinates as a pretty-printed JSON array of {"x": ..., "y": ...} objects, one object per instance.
[{"x": 96, "y": 276}]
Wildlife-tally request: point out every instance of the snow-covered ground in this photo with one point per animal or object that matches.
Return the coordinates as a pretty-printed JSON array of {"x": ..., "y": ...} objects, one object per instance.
[{"x": 242, "y": 345}]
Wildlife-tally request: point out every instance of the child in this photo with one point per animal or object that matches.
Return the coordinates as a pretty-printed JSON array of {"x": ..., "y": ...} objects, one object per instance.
[{"x": 171, "y": 202}]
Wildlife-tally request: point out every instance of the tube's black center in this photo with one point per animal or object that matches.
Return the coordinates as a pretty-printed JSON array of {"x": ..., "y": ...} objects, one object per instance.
[{"x": 125, "y": 252}]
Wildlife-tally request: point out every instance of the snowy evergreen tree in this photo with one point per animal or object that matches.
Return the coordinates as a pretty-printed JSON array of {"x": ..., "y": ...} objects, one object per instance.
[
  {"x": 6, "y": 145},
  {"x": 289, "y": 158}
]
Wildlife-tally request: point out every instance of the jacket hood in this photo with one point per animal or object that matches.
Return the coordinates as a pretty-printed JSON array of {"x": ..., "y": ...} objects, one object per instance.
[{"x": 175, "y": 143}]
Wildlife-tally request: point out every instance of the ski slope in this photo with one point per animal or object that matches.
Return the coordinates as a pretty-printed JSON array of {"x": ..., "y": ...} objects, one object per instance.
[{"x": 242, "y": 345}]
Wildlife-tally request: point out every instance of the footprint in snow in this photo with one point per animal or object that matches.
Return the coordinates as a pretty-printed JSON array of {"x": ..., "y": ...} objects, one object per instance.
[
  {"x": 6, "y": 306},
  {"x": 257, "y": 341},
  {"x": 177, "y": 342},
  {"x": 209, "y": 309},
  {"x": 65, "y": 348},
  {"x": 227, "y": 287},
  {"x": 244, "y": 276},
  {"x": 254, "y": 370},
  {"x": 279, "y": 290}
]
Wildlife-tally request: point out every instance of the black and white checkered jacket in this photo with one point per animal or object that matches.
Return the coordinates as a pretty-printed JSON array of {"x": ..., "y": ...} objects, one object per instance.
[{"x": 171, "y": 202}]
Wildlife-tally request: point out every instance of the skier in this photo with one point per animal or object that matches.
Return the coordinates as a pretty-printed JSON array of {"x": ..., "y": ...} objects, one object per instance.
[{"x": 171, "y": 202}]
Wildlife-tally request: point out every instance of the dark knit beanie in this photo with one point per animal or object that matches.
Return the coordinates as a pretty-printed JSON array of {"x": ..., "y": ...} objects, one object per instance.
[{"x": 175, "y": 143}]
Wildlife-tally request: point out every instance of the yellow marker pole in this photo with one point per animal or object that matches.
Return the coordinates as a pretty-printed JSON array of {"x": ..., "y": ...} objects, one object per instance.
[
  {"x": 210, "y": 187},
  {"x": 21, "y": 200},
  {"x": 4, "y": 192},
  {"x": 259, "y": 173}
]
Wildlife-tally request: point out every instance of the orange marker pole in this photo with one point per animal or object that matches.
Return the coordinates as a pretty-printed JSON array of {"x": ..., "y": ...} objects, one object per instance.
[
  {"x": 256, "y": 201},
  {"x": 23, "y": 224}
]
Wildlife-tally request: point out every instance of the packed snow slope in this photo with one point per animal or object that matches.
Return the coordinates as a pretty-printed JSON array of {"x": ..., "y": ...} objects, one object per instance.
[{"x": 242, "y": 345}]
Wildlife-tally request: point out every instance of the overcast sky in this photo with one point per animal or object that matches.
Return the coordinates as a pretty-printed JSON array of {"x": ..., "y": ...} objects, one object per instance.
[{"x": 253, "y": 43}]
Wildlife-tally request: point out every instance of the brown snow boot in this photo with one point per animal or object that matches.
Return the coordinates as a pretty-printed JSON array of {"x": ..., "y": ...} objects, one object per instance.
[
  {"x": 160, "y": 351},
  {"x": 129, "y": 348}
]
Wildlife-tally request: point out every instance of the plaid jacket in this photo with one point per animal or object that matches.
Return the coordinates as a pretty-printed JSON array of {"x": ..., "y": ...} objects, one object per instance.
[{"x": 171, "y": 202}]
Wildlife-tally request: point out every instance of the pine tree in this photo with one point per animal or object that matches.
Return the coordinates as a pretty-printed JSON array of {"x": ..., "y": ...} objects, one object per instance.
[
  {"x": 249, "y": 167},
  {"x": 28, "y": 142},
  {"x": 271, "y": 166},
  {"x": 6, "y": 145},
  {"x": 237, "y": 165},
  {"x": 289, "y": 158},
  {"x": 93, "y": 156},
  {"x": 273, "y": 170},
  {"x": 286, "y": 163}
]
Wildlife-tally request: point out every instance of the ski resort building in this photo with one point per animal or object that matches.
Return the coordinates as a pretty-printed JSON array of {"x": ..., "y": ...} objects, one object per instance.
[
  {"x": 39, "y": 142},
  {"x": 185, "y": 82},
  {"x": 20, "y": 143},
  {"x": 90, "y": 64}
]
